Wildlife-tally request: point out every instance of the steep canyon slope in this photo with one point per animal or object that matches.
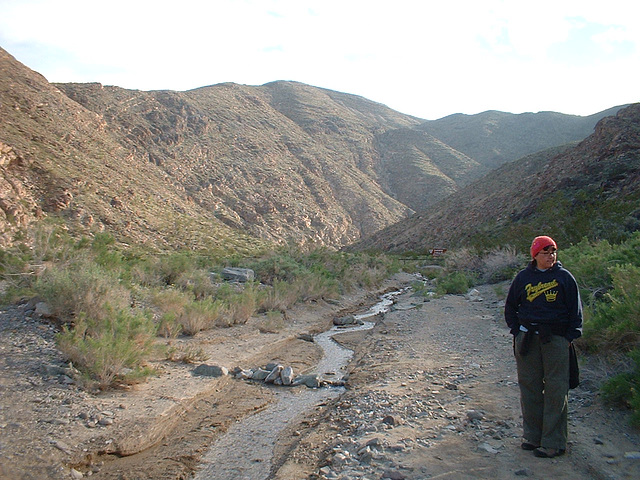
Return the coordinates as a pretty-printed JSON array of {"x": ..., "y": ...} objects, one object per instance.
[
  {"x": 589, "y": 190},
  {"x": 229, "y": 166}
]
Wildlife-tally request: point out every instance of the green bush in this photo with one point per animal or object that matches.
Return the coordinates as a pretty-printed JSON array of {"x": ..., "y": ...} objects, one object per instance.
[
  {"x": 609, "y": 279},
  {"x": 80, "y": 286},
  {"x": 103, "y": 349},
  {"x": 201, "y": 315},
  {"x": 501, "y": 264},
  {"x": 591, "y": 264},
  {"x": 242, "y": 306},
  {"x": 279, "y": 297},
  {"x": 615, "y": 319},
  {"x": 623, "y": 389},
  {"x": 453, "y": 283}
]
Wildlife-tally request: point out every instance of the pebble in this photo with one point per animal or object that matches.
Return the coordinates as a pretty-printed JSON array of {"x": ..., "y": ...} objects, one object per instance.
[{"x": 75, "y": 474}]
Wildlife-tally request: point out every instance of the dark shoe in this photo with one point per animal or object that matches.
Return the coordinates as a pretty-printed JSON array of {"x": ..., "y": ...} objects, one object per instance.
[
  {"x": 543, "y": 452},
  {"x": 528, "y": 446}
]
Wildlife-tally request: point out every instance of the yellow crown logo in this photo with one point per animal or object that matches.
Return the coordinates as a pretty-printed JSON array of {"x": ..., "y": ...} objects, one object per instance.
[{"x": 551, "y": 296}]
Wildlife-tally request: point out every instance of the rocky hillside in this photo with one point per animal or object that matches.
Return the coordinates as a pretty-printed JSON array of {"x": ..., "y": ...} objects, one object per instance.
[
  {"x": 590, "y": 190},
  {"x": 493, "y": 138},
  {"x": 226, "y": 166}
]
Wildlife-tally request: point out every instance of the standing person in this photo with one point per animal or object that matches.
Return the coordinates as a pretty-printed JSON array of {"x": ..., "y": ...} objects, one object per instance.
[{"x": 544, "y": 312}]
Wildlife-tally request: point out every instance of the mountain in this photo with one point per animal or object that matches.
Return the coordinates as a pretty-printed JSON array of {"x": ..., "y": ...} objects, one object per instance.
[
  {"x": 588, "y": 190},
  {"x": 493, "y": 138},
  {"x": 229, "y": 167}
]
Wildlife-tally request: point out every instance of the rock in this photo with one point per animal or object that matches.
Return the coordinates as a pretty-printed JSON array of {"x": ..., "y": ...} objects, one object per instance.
[
  {"x": 275, "y": 374},
  {"x": 474, "y": 415},
  {"x": 632, "y": 455},
  {"x": 393, "y": 475},
  {"x": 287, "y": 375},
  {"x": 310, "y": 381},
  {"x": 485, "y": 447},
  {"x": 60, "y": 445},
  {"x": 75, "y": 474},
  {"x": 210, "y": 370},
  {"x": 53, "y": 370},
  {"x": 523, "y": 472},
  {"x": 346, "y": 320},
  {"x": 42, "y": 309},
  {"x": 66, "y": 380},
  {"x": 392, "y": 420},
  {"x": 243, "y": 374},
  {"x": 474, "y": 296},
  {"x": 260, "y": 374},
  {"x": 241, "y": 275}
]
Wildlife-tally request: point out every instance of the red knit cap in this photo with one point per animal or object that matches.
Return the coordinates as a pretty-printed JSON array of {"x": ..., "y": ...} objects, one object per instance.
[{"x": 541, "y": 242}]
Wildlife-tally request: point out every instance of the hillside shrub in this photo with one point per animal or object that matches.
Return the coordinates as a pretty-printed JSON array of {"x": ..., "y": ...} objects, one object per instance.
[
  {"x": 242, "y": 306},
  {"x": 455, "y": 283},
  {"x": 279, "y": 297},
  {"x": 272, "y": 322},
  {"x": 501, "y": 264},
  {"x": 201, "y": 315},
  {"x": 609, "y": 279},
  {"x": 80, "y": 286},
  {"x": 103, "y": 349},
  {"x": 623, "y": 390},
  {"x": 615, "y": 319}
]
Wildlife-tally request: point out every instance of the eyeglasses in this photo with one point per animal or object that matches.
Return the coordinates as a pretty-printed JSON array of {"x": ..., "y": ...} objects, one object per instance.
[{"x": 548, "y": 251}]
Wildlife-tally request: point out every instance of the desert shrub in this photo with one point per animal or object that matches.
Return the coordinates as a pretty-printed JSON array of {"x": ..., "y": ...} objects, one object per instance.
[
  {"x": 313, "y": 286},
  {"x": 168, "y": 325},
  {"x": 501, "y": 264},
  {"x": 615, "y": 320},
  {"x": 463, "y": 260},
  {"x": 242, "y": 306},
  {"x": 271, "y": 322},
  {"x": 169, "y": 301},
  {"x": 277, "y": 266},
  {"x": 198, "y": 282},
  {"x": 591, "y": 263},
  {"x": 22, "y": 264},
  {"x": 453, "y": 283},
  {"x": 365, "y": 271},
  {"x": 422, "y": 288},
  {"x": 279, "y": 296},
  {"x": 623, "y": 389},
  {"x": 103, "y": 349},
  {"x": 81, "y": 286},
  {"x": 163, "y": 270},
  {"x": 609, "y": 279},
  {"x": 201, "y": 315},
  {"x": 188, "y": 354}
]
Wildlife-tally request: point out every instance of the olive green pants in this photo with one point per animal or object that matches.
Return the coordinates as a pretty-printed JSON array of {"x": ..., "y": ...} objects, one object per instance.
[{"x": 543, "y": 376}]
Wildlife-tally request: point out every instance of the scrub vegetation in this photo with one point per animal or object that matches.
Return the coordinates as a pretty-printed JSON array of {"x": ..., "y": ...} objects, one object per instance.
[
  {"x": 111, "y": 301},
  {"x": 609, "y": 278}
]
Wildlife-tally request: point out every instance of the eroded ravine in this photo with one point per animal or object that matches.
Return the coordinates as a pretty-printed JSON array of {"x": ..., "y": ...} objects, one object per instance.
[{"x": 245, "y": 452}]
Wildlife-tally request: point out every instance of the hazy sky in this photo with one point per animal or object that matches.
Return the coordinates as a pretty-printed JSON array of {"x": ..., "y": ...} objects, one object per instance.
[{"x": 424, "y": 58}]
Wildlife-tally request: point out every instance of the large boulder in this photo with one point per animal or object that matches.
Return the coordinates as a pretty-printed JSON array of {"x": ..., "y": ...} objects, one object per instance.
[
  {"x": 242, "y": 275},
  {"x": 210, "y": 370}
]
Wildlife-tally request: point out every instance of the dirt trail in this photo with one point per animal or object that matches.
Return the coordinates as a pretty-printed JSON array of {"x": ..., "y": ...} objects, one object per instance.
[{"x": 431, "y": 393}]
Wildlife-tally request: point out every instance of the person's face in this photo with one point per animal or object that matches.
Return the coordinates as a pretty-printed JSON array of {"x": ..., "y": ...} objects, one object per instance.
[{"x": 546, "y": 257}]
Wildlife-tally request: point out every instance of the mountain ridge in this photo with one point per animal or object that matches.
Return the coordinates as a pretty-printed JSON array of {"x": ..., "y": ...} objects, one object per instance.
[
  {"x": 225, "y": 166},
  {"x": 587, "y": 190}
]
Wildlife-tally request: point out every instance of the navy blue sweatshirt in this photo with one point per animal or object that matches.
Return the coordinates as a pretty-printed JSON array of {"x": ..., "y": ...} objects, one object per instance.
[{"x": 549, "y": 297}]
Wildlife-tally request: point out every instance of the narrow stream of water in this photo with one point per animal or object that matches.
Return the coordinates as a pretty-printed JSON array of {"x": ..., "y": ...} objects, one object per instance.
[{"x": 245, "y": 452}]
